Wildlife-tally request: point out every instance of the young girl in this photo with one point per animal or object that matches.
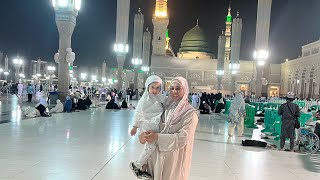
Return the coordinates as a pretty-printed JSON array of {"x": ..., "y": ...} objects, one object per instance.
[{"x": 147, "y": 118}]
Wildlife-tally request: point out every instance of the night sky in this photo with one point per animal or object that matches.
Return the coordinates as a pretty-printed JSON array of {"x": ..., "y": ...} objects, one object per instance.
[{"x": 28, "y": 27}]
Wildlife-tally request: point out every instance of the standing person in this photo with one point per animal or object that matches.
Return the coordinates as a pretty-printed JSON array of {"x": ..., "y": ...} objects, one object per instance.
[
  {"x": 30, "y": 91},
  {"x": 289, "y": 112},
  {"x": 128, "y": 92},
  {"x": 20, "y": 90},
  {"x": 147, "y": 118},
  {"x": 195, "y": 101},
  {"x": 237, "y": 114},
  {"x": 172, "y": 157}
]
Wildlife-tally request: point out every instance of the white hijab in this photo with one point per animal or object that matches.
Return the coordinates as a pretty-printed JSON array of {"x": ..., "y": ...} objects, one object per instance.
[
  {"x": 237, "y": 102},
  {"x": 181, "y": 108},
  {"x": 147, "y": 101}
]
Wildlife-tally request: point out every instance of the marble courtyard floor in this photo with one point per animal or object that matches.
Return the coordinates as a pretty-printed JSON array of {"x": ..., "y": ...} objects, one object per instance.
[{"x": 95, "y": 144}]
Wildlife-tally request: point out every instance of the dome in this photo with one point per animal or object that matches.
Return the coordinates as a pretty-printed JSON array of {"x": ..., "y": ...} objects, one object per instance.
[{"x": 195, "y": 40}]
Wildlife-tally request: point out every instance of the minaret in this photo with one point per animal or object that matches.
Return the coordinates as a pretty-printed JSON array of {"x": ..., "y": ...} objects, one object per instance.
[
  {"x": 137, "y": 45},
  {"x": 104, "y": 70},
  {"x": 121, "y": 46},
  {"x": 160, "y": 22},
  {"x": 228, "y": 34},
  {"x": 221, "y": 56},
  {"x": 261, "y": 53},
  {"x": 234, "y": 65}
]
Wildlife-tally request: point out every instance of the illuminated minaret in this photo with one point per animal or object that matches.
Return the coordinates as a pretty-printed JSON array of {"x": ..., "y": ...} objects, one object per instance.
[
  {"x": 228, "y": 34},
  {"x": 160, "y": 22}
]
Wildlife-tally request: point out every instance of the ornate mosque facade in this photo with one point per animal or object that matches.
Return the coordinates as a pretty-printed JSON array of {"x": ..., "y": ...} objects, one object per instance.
[{"x": 197, "y": 63}]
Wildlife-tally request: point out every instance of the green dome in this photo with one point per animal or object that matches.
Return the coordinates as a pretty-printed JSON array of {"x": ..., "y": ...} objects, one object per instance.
[{"x": 195, "y": 40}]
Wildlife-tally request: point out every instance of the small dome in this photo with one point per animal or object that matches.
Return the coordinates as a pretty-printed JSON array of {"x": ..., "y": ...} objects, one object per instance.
[{"x": 195, "y": 40}]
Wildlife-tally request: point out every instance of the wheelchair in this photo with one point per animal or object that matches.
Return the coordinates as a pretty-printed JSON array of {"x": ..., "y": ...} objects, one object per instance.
[{"x": 308, "y": 139}]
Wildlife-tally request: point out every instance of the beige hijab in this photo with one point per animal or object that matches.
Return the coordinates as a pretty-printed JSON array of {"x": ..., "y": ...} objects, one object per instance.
[{"x": 181, "y": 108}]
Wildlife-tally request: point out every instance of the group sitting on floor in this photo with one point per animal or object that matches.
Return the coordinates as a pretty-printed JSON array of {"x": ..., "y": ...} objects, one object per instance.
[
  {"x": 71, "y": 104},
  {"x": 115, "y": 104},
  {"x": 208, "y": 103}
]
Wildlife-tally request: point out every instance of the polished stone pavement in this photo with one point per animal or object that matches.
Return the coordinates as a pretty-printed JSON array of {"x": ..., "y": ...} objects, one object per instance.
[{"x": 95, "y": 144}]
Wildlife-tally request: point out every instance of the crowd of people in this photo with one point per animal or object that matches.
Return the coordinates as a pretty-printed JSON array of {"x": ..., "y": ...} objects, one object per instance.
[{"x": 207, "y": 103}]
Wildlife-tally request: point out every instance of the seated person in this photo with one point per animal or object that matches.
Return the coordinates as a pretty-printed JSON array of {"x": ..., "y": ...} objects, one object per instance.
[
  {"x": 58, "y": 108},
  {"x": 81, "y": 104},
  {"x": 30, "y": 112},
  {"x": 88, "y": 102},
  {"x": 124, "y": 104},
  {"x": 74, "y": 105},
  {"x": 206, "y": 108},
  {"x": 42, "y": 106},
  {"x": 68, "y": 104},
  {"x": 220, "y": 106},
  {"x": 112, "y": 105}
]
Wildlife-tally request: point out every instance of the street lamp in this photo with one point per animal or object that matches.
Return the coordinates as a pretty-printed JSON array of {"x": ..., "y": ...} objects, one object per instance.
[
  {"x": 51, "y": 70},
  {"x": 234, "y": 67},
  {"x": 17, "y": 62},
  {"x": 145, "y": 68},
  {"x": 83, "y": 76},
  {"x": 6, "y": 74},
  {"x": 104, "y": 80},
  {"x": 220, "y": 72},
  {"x": 93, "y": 79},
  {"x": 261, "y": 56}
]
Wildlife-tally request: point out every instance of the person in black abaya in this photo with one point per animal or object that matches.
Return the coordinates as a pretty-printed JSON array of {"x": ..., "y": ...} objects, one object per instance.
[
  {"x": 112, "y": 105},
  {"x": 124, "y": 104}
]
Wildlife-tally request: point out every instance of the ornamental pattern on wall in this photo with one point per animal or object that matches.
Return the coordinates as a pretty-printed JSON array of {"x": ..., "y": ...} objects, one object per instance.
[
  {"x": 195, "y": 76},
  {"x": 160, "y": 74}
]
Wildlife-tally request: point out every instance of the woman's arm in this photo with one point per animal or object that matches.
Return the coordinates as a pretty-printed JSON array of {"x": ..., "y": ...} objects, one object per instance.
[{"x": 170, "y": 142}]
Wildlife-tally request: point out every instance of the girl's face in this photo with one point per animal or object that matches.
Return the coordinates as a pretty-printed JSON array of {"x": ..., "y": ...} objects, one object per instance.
[
  {"x": 176, "y": 91},
  {"x": 154, "y": 88}
]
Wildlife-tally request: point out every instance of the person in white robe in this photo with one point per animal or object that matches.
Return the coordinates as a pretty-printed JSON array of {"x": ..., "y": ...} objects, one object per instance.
[
  {"x": 195, "y": 101},
  {"x": 147, "y": 117},
  {"x": 58, "y": 108},
  {"x": 172, "y": 157},
  {"x": 20, "y": 90},
  {"x": 237, "y": 115},
  {"x": 30, "y": 112}
]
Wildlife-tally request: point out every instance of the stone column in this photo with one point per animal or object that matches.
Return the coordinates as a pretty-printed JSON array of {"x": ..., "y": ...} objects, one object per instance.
[
  {"x": 262, "y": 40},
  {"x": 17, "y": 73},
  {"x": 66, "y": 20},
  {"x": 104, "y": 70},
  {"x": 38, "y": 66},
  {"x": 137, "y": 45},
  {"x": 146, "y": 51},
  {"x": 6, "y": 67},
  {"x": 221, "y": 56},
  {"x": 235, "y": 50},
  {"x": 65, "y": 31},
  {"x": 34, "y": 69},
  {"x": 123, "y": 10},
  {"x": 1, "y": 65}
]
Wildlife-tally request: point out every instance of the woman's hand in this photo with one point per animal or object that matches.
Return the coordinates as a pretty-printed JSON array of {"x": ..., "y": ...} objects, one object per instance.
[
  {"x": 141, "y": 138},
  {"x": 150, "y": 136}
]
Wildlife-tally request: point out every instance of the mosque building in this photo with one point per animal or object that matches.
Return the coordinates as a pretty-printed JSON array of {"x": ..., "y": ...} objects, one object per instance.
[{"x": 196, "y": 60}]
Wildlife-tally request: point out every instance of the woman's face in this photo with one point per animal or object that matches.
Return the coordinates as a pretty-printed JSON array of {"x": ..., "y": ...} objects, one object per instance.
[
  {"x": 154, "y": 88},
  {"x": 176, "y": 91}
]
